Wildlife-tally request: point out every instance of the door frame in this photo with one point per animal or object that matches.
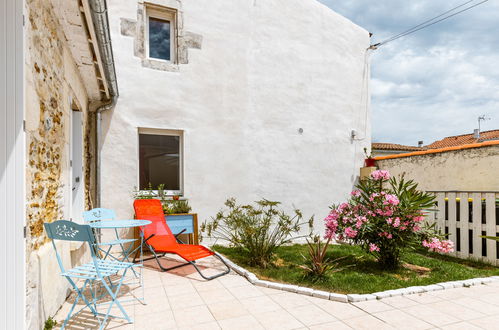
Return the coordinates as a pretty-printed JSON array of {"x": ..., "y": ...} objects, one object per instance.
[{"x": 12, "y": 167}]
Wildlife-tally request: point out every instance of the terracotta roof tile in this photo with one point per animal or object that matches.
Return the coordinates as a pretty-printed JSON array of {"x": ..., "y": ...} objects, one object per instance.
[
  {"x": 458, "y": 140},
  {"x": 394, "y": 146}
]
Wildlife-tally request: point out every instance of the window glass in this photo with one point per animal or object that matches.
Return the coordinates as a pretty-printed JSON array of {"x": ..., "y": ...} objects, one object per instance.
[
  {"x": 159, "y": 161},
  {"x": 159, "y": 38}
]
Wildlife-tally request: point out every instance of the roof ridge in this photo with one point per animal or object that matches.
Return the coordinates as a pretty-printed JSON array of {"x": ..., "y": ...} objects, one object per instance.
[{"x": 481, "y": 132}]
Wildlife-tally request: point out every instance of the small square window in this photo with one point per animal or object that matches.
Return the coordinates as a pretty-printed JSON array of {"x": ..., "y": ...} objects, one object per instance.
[
  {"x": 160, "y": 34},
  {"x": 160, "y": 160}
]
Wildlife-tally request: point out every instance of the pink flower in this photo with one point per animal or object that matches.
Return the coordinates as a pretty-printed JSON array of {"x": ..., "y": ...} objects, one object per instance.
[
  {"x": 396, "y": 222},
  {"x": 437, "y": 245},
  {"x": 389, "y": 221},
  {"x": 416, "y": 228},
  {"x": 350, "y": 233},
  {"x": 391, "y": 200},
  {"x": 355, "y": 193},
  {"x": 373, "y": 247},
  {"x": 380, "y": 175}
]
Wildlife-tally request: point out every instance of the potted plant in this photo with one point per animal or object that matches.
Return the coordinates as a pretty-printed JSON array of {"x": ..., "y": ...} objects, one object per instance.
[
  {"x": 179, "y": 217},
  {"x": 369, "y": 161}
]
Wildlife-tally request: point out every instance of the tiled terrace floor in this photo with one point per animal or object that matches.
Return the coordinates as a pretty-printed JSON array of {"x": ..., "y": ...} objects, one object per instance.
[{"x": 182, "y": 300}]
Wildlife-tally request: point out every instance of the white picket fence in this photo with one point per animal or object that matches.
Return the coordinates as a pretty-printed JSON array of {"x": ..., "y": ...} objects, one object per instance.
[{"x": 467, "y": 215}]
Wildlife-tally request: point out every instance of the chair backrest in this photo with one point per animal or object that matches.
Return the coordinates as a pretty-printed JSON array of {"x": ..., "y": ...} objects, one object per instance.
[
  {"x": 152, "y": 210},
  {"x": 98, "y": 214},
  {"x": 69, "y": 231}
]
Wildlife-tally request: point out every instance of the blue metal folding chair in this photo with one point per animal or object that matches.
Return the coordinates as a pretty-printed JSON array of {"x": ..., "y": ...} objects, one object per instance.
[
  {"x": 101, "y": 214},
  {"x": 96, "y": 271}
]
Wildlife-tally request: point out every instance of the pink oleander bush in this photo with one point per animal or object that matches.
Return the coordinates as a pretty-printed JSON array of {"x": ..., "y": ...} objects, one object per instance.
[{"x": 385, "y": 215}]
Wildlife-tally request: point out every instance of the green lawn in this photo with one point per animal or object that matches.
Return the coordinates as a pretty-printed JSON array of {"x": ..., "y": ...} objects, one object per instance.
[{"x": 363, "y": 274}]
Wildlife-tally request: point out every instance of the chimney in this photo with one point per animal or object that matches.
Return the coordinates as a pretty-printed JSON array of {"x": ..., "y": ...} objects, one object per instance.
[
  {"x": 476, "y": 133},
  {"x": 420, "y": 144}
]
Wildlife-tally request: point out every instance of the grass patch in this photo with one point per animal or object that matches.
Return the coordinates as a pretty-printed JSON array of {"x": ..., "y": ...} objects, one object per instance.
[{"x": 361, "y": 273}]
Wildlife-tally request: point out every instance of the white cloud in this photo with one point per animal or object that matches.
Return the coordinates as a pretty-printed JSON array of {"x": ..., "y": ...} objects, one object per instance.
[{"x": 435, "y": 82}]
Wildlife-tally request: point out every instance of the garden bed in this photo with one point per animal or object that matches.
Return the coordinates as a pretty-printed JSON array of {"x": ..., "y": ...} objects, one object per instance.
[{"x": 360, "y": 272}]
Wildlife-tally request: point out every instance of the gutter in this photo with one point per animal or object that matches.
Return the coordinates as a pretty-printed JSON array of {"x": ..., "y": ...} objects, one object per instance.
[{"x": 100, "y": 20}]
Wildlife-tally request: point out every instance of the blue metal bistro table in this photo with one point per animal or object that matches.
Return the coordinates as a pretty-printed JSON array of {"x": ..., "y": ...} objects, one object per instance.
[{"x": 122, "y": 224}]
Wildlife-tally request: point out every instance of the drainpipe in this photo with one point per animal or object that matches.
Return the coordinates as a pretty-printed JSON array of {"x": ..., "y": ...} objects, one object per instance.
[{"x": 98, "y": 11}]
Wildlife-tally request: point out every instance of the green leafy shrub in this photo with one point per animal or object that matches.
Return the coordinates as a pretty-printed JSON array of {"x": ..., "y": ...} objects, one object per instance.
[
  {"x": 50, "y": 323},
  {"x": 259, "y": 230},
  {"x": 176, "y": 206}
]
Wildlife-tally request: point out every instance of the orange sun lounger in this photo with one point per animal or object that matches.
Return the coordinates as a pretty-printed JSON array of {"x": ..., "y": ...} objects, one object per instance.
[{"x": 159, "y": 239}]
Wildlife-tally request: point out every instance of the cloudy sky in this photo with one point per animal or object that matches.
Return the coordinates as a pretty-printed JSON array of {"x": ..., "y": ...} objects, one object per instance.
[{"x": 435, "y": 82}]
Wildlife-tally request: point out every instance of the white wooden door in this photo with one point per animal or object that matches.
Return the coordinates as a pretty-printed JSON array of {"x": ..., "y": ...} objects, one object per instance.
[
  {"x": 77, "y": 186},
  {"x": 12, "y": 243}
]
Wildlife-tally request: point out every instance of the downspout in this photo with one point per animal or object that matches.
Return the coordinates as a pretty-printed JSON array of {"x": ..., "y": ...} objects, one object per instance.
[{"x": 98, "y": 10}]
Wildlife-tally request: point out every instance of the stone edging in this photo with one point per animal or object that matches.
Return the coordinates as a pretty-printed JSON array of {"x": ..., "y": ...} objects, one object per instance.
[{"x": 346, "y": 298}]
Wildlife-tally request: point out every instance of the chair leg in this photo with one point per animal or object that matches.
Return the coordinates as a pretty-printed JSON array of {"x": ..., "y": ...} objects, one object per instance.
[{"x": 209, "y": 278}]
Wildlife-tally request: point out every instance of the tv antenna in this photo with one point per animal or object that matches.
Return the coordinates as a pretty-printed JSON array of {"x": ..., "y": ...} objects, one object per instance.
[{"x": 480, "y": 119}]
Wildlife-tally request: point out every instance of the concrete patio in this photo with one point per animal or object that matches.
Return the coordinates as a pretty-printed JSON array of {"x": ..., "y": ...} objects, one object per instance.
[{"x": 182, "y": 300}]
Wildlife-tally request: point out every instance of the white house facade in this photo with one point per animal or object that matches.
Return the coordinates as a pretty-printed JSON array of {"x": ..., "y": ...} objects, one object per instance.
[{"x": 235, "y": 98}]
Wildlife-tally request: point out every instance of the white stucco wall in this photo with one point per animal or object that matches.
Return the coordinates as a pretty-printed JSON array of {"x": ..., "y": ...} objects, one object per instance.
[{"x": 265, "y": 69}]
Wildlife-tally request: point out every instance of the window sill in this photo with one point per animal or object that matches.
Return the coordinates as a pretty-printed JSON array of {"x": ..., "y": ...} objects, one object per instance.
[{"x": 160, "y": 65}]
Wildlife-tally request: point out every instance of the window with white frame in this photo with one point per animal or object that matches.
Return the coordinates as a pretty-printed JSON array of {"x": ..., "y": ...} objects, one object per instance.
[
  {"x": 160, "y": 27},
  {"x": 160, "y": 159}
]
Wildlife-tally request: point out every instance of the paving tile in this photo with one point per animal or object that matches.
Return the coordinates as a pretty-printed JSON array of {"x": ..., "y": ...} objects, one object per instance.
[
  {"x": 155, "y": 321},
  {"x": 247, "y": 291},
  {"x": 185, "y": 300},
  {"x": 216, "y": 296},
  {"x": 478, "y": 305},
  {"x": 279, "y": 319},
  {"x": 192, "y": 316},
  {"x": 243, "y": 322},
  {"x": 268, "y": 291},
  {"x": 367, "y": 322},
  {"x": 179, "y": 289},
  {"x": 260, "y": 304},
  {"x": 204, "y": 326},
  {"x": 157, "y": 304},
  {"x": 460, "y": 326},
  {"x": 289, "y": 300},
  {"x": 424, "y": 298},
  {"x": 431, "y": 315},
  {"x": 341, "y": 311},
  {"x": 490, "y": 298},
  {"x": 373, "y": 306},
  {"x": 311, "y": 315},
  {"x": 207, "y": 285},
  {"x": 227, "y": 309},
  {"x": 490, "y": 322},
  {"x": 400, "y": 320},
  {"x": 336, "y": 325},
  {"x": 458, "y": 311},
  {"x": 230, "y": 281},
  {"x": 399, "y": 302}
]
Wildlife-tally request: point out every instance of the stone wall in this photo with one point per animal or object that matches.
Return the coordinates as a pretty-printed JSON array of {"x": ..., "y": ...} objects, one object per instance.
[
  {"x": 53, "y": 89},
  {"x": 472, "y": 169}
]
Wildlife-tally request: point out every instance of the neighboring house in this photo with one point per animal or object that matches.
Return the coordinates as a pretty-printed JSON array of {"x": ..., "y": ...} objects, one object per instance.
[
  {"x": 55, "y": 76},
  {"x": 469, "y": 167},
  {"x": 384, "y": 149},
  {"x": 244, "y": 99},
  {"x": 458, "y": 140}
]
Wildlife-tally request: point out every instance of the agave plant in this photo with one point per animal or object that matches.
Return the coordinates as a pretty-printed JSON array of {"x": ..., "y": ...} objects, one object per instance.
[{"x": 316, "y": 262}]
